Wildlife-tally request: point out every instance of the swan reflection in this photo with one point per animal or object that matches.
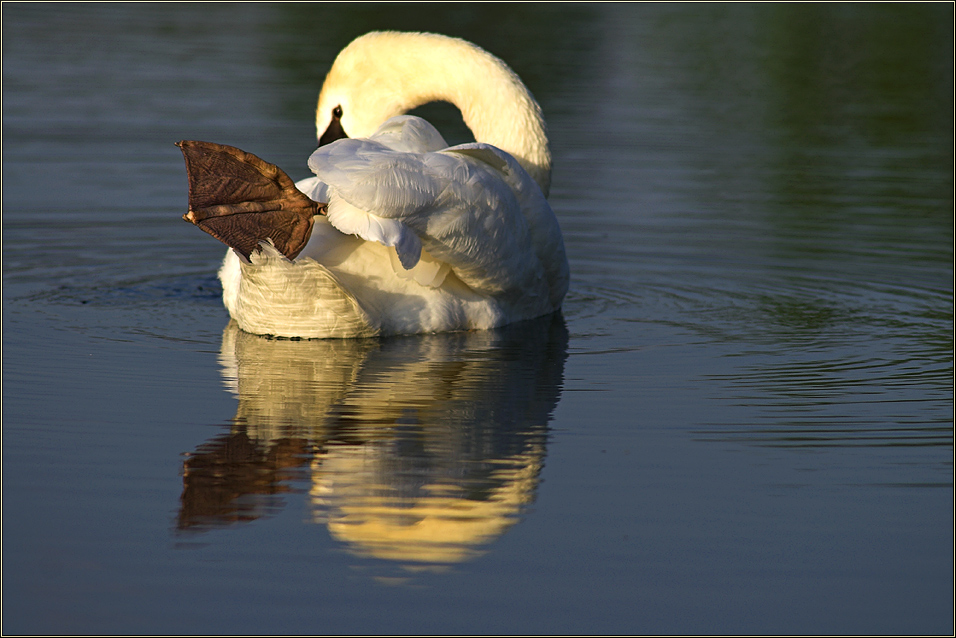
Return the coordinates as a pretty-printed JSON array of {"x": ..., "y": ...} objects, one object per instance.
[{"x": 420, "y": 449}]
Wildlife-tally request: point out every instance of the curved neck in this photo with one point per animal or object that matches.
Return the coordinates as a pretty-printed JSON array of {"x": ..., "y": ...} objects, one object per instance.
[{"x": 401, "y": 71}]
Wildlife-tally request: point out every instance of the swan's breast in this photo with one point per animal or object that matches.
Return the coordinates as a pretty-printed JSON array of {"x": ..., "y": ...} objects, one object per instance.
[{"x": 274, "y": 296}]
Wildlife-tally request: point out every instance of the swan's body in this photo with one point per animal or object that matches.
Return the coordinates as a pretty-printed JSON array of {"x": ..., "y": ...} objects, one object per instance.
[{"x": 417, "y": 237}]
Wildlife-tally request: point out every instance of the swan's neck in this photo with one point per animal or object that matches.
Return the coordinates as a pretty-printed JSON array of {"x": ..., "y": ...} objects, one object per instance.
[{"x": 392, "y": 73}]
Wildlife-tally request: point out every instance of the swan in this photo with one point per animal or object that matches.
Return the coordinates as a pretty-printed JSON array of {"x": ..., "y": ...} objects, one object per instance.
[{"x": 397, "y": 233}]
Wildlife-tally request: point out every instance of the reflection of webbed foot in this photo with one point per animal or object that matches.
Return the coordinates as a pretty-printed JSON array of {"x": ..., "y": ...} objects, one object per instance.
[
  {"x": 235, "y": 478},
  {"x": 241, "y": 199}
]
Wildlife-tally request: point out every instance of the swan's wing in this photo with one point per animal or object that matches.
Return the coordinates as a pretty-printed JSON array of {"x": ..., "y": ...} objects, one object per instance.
[
  {"x": 405, "y": 133},
  {"x": 546, "y": 238},
  {"x": 241, "y": 199},
  {"x": 374, "y": 177},
  {"x": 373, "y": 190},
  {"x": 461, "y": 204}
]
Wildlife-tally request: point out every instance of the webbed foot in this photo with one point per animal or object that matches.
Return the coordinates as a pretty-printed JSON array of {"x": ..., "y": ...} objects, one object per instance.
[{"x": 241, "y": 199}]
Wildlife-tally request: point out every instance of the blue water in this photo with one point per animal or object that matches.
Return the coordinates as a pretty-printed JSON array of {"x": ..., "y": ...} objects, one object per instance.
[{"x": 741, "y": 422}]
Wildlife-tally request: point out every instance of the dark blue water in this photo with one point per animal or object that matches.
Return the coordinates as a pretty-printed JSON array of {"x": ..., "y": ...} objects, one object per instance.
[{"x": 742, "y": 422}]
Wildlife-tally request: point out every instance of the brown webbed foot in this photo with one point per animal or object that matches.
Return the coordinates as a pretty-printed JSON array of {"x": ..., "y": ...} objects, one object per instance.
[{"x": 241, "y": 199}]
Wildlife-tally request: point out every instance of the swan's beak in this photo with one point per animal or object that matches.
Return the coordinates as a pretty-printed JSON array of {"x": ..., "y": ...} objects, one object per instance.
[
  {"x": 242, "y": 200},
  {"x": 333, "y": 132}
]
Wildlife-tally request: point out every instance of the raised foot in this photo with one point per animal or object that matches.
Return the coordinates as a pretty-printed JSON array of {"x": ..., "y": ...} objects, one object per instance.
[{"x": 242, "y": 200}]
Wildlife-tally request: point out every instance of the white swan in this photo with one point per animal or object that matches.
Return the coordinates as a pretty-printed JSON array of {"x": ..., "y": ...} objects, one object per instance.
[{"x": 417, "y": 237}]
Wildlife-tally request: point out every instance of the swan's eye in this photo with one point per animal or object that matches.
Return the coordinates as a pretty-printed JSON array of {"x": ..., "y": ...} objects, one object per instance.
[{"x": 337, "y": 112}]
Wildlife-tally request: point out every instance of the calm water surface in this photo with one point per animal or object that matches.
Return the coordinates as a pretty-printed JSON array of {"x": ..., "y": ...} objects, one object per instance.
[{"x": 742, "y": 421}]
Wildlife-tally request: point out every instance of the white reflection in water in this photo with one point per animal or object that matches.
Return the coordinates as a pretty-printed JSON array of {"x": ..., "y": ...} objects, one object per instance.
[{"x": 417, "y": 449}]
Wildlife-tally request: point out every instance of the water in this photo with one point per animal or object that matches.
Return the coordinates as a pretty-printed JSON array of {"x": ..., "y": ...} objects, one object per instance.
[{"x": 741, "y": 423}]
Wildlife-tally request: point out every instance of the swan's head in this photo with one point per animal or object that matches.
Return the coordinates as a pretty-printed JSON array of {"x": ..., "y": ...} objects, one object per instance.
[{"x": 361, "y": 91}]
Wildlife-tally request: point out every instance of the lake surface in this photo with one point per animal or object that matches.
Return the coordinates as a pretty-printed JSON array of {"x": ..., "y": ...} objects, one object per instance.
[{"x": 742, "y": 421}]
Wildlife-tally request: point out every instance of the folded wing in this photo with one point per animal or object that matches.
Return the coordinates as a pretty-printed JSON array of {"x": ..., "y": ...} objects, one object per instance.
[{"x": 471, "y": 207}]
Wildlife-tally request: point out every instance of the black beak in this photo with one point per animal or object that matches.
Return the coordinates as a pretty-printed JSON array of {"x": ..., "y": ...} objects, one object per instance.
[{"x": 334, "y": 132}]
